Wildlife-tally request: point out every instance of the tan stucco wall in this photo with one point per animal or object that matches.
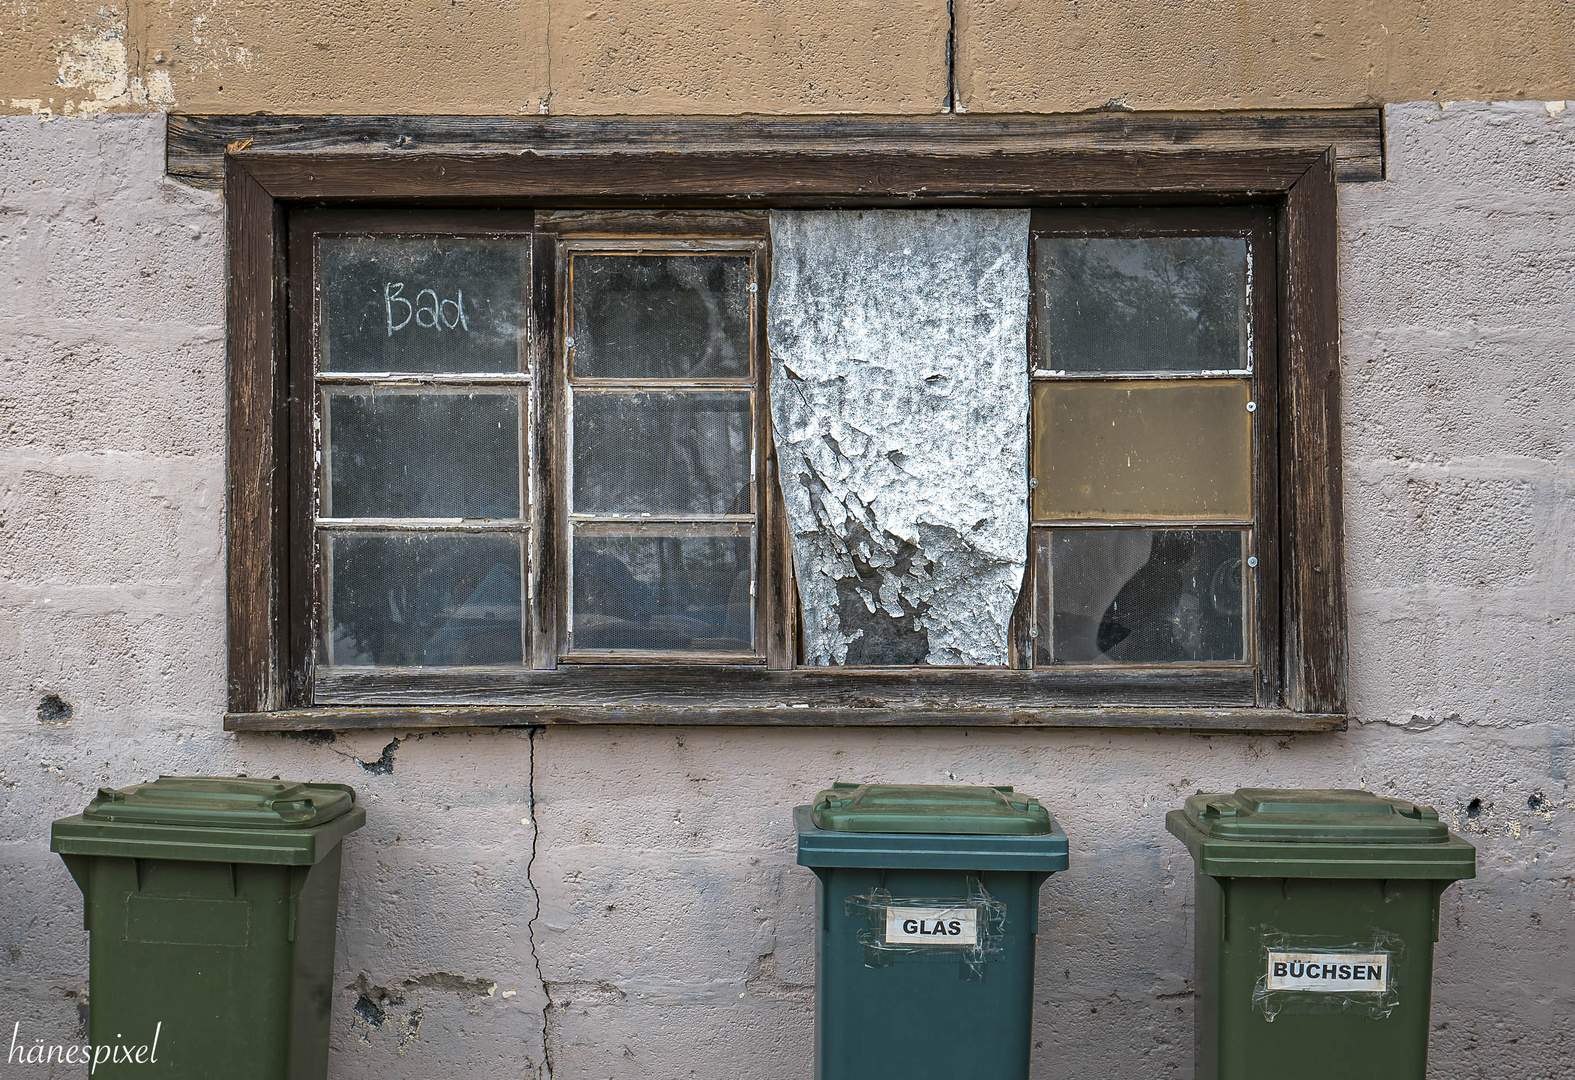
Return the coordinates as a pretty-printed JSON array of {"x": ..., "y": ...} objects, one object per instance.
[
  {"x": 1033, "y": 55},
  {"x": 476, "y": 56},
  {"x": 772, "y": 56}
]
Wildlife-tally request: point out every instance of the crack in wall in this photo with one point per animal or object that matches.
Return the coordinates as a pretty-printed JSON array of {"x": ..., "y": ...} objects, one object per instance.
[
  {"x": 952, "y": 104},
  {"x": 530, "y": 926}
]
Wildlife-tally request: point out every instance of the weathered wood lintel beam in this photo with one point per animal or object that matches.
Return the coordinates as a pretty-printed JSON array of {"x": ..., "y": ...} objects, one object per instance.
[{"x": 196, "y": 144}]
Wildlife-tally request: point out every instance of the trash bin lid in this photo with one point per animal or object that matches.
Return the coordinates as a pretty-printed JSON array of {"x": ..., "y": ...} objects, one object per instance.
[
  {"x": 231, "y": 819},
  {"x": 930, "y": 808},
  {"x": 1312, "y": 816},
  {"x": 222, "y": 802},
  {"x": 1330, "y": 833}
]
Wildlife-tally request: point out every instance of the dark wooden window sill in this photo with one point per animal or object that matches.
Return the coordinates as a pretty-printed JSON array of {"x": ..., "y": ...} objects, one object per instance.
[
  {"x": 1226, "y": 721},
  {"x": 1202, "y": 699}
]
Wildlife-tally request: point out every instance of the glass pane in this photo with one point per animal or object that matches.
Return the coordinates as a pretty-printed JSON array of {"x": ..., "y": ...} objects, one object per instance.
[
  {"x": 433, "y": 599},
  {"x": 1140, "y": 596},
  {"x": 662, "y": 453},
  {"x": 661, "y": 316},
  {"x": 1142, "y": 450},
  {"x": 663, "y": 589},
  {"x": 421, "y": 304},
  {"x": 402, "y": 454},
  {"x": 1158, "y": 303}
]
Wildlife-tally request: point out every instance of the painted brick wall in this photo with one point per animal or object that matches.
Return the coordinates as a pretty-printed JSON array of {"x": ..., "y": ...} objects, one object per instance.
[{"x": 674, "y": 932}]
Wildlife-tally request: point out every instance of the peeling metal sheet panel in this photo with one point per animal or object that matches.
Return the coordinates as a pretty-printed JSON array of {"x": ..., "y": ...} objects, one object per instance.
[{"x": 899, "y": 391}]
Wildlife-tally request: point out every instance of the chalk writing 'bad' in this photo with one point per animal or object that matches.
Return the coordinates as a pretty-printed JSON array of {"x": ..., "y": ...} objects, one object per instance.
[{"x": 428, "y": 309}]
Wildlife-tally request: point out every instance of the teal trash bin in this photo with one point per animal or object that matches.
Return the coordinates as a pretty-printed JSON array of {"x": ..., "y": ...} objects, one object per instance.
[{"x": 928, "y": 913}]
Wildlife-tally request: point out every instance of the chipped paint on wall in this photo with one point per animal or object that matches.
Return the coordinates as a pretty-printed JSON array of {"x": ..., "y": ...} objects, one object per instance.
[
  {"x": 662, "y": 57},
  {"x": 899, "y": 390},
  {"x": 95, "y": 63},
  {"x": 98, "y": 63},
  {"x": 160, "y": 88},
  {"x": 217, "y": 39}
]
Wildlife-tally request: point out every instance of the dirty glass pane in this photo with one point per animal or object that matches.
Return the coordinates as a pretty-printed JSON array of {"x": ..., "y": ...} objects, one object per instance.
[
  {"x": 1158, "y": 303},
  {"x": 662, "y": 453},
  {"x": 1142, "y": 450},
  {"x": 405, "y": 454},
  {"x": 661, "y": 316},
  {"x": 1140, "y": 596},
  {"x": 427, "y": 599},
  {"x": 663, "y": 589},
  {"x": 421, "y": 304}
]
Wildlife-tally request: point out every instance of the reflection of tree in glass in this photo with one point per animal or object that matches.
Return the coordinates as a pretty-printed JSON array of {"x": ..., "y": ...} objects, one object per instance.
[
  {"x": 680, "y": 453},
  {"x": 417, "y": 600},
  {"x": 662, "y": 592},
  {"x": 394, "y": 454},
  {"x": 1150, "y": 304},
  {"x": 1184, "y": 604},
  {"x": 661, "y": 316},
  {"x": 1146, "y": 596}
]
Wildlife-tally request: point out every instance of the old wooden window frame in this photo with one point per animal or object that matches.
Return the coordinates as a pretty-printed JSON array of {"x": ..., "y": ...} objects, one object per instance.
[
  {"x": 262, "y": 185},
  {"x": 588, "y": 232},
  {"x": 1255, "y": 224},
  {"x": 306, "y": 385}
]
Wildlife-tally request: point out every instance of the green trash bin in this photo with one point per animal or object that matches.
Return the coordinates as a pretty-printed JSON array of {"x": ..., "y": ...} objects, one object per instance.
[
  {"x": 211, "y": 905},
  {"x": 929, "y": 906},
  {"x": 1316, "y": 916}
]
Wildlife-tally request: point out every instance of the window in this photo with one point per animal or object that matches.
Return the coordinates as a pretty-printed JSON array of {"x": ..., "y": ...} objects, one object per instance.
[
  {"x": 475, "y": 499},
  {"x": 664, "y": 428},
  {"x": 415, "y": 378},
  {"x": 1153, "y": 526},
  {"x": 531, "y": 474}
]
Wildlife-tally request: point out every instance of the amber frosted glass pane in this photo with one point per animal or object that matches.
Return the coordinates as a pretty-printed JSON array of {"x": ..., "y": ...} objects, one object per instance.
[
  {"x": 1154, "y": 303},
  {"x": 421, "y": 304},
  {"x": 427, "y": 599},
  {"x": 1139, "y": 596},
  {"x": 661, "y": 316},
  {"x": 663, "y": 589},
  {"x": 1142, "y": 450}
]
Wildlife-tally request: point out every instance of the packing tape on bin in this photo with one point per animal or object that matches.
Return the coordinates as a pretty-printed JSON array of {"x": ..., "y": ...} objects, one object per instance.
[
  {"x": 966, "y": 930},
  {"x": 1312, "y": 973}
]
